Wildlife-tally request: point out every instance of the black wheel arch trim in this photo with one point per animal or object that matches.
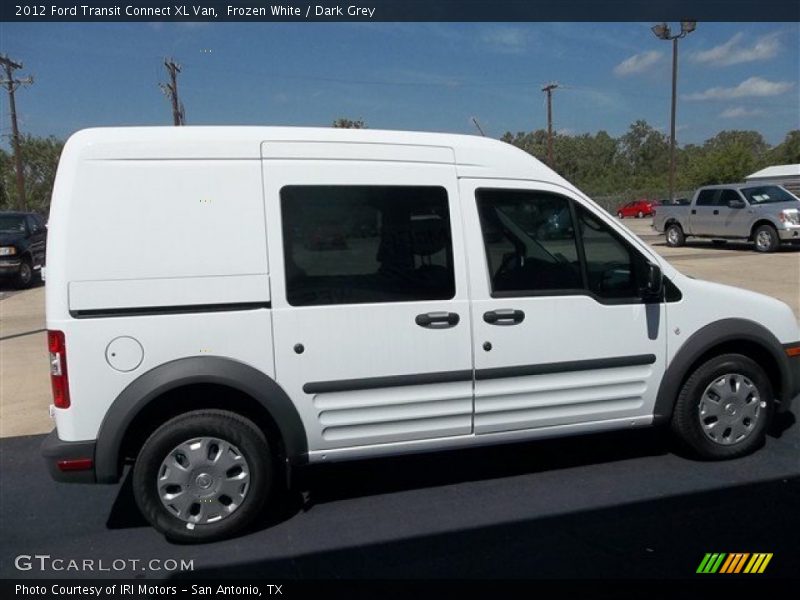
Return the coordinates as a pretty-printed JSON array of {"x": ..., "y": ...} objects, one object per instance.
[
  {"x": 188, "y": 371},
  {"x": 714, "y": 334}
]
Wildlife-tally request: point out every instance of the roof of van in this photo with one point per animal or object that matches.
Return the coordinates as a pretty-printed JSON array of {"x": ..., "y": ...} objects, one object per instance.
[{"x": 474, "y": 156}]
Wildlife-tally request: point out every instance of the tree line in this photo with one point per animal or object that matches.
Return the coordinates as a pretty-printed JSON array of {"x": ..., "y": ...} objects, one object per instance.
[{"x": 611, "y": 169}]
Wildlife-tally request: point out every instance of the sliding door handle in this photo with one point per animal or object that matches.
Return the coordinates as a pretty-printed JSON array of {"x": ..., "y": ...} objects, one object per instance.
[
  {"x": 437, "y": 320},
  {"x": 504, "y": 316}
]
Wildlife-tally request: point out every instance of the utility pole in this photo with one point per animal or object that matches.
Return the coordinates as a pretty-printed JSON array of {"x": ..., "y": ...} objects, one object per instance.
[
  {"x": 171, "y": 91},
  {"x": 548, "y": 89},
  {"x": 11, "y": 84}
]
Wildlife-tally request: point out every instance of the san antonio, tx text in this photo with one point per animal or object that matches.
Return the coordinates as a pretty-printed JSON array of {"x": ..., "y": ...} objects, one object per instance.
[{"x": 150, "y": 590}]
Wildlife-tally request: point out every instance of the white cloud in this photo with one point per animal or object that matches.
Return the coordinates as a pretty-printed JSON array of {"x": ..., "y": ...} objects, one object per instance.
[
  {"x": 738, "y": 112},
  {"x": 510, "y": 40},
  {"x": 638, "y": 63},
  {"x": 734, "y": 52},
  {"x": 754, "y": 87}
]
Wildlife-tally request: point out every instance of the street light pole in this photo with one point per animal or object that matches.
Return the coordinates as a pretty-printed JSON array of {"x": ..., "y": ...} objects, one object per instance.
[{"x": 662, "y": 32}]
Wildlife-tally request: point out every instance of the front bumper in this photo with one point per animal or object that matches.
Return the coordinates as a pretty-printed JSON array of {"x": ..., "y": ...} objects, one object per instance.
[
  {"x": 60, "y": 456},
  {"x": 9, "y": 266},
  {"x": 789, "y": 233}
]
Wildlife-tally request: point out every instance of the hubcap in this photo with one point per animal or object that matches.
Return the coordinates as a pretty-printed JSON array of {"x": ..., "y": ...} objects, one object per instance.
[
  {"x": 672, "y": 235},
  {"x": 763, "y": 239},
  {"x": 203, "y": 480},
  {"x": 730, "y": 409},
  {"x": 25, "y": 272}
]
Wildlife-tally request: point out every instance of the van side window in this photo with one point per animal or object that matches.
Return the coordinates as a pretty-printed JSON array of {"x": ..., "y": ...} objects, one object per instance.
[
  {"x": 358, "y": 244},
  {"x": 530, "y": 241},
  {"x": 706, "y": 198},
  {"x": 612, "y": 267}
]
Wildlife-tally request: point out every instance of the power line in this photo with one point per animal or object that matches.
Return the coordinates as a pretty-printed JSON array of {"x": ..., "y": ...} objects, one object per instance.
[
  {"x": 171, "y": 91},
  {"x": 11, "y": 84}
]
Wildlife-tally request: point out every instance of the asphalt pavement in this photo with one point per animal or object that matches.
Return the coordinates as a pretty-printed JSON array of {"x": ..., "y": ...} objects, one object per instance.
[{"x": 620, "y": 505}]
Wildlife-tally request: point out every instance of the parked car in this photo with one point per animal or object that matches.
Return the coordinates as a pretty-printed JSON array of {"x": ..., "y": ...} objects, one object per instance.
[
  {"x": 23, "y": 244},
  {"x": 765, "y": 214},
  {"x": 218, "y": 366},
  {"x": 638, "y": 208}
]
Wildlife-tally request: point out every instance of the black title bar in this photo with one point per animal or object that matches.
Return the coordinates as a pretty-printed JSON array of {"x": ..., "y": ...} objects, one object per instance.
[{"x": 399, "y": 10}]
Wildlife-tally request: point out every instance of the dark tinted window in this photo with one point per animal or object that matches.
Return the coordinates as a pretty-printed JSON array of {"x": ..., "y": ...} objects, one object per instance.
[
  {"x": 728, "y": 195},
  {"x": 358, "y": 244},
  {"x": 706, "y": 198},
  {"x": 530, "y": 241},
  {"x": 767, "y": 194},
  {"x": 613, "y": 268}
]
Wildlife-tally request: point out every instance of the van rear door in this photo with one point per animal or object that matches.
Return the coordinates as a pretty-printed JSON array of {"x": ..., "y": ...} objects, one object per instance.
[{"x": 369, "y": 291}]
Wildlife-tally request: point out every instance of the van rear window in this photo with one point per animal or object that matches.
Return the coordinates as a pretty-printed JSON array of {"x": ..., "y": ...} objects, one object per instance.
[{"x": 366, "y": 244}]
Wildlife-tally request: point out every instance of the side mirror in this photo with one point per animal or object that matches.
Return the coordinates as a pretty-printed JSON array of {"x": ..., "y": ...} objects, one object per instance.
[
  {"x": 654, "y": 281},
  {"x": 736, "y": 203}
]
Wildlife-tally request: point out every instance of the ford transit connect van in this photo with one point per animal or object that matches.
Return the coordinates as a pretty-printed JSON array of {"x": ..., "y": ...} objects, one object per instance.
[{"x": 224, "y": 304}]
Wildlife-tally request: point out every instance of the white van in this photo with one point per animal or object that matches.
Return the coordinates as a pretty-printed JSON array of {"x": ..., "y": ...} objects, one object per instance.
[{"x": 224, "y": 304}]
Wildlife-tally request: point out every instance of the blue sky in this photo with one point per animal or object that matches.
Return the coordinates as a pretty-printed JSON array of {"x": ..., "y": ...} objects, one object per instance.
[{"x": 426, "y": 76}]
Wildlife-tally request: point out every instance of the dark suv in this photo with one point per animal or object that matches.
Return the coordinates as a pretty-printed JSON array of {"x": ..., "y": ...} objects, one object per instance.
[{"x": 23, "y": 242}]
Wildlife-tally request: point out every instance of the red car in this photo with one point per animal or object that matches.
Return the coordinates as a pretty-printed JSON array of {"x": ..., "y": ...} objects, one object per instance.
[{"x": 637, "y": 208}]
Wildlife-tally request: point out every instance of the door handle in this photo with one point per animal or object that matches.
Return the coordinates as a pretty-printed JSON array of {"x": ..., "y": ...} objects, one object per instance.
[
  {"x": 716, "y": 212},
  {"x": 437, "y": 320},
  {"x": 504, "y": 316}
]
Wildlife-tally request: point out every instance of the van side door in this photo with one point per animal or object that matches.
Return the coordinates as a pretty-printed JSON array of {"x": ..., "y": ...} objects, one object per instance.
[
  {"x": 562, "y": 334},
  {"x": 370, "y": 307}
]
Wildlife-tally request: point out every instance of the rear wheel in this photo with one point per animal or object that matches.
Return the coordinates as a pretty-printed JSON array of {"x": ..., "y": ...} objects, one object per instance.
[
  {"x": 766, "y": 239},
  {"x": 620, "y": 215},
  {"x": 674, "y": 235},
  {"x": 723, "y": 409},
  {"x": 203, "y": 475}
]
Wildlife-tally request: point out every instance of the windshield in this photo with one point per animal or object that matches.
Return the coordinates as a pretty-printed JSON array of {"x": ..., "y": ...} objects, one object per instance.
[
  {"x": 767, "y": 194},
  {"x": 12, "y": 224}
]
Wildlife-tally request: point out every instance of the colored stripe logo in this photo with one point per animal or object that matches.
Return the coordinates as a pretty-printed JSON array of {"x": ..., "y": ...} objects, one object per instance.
[{"x": 734, "y": 562}]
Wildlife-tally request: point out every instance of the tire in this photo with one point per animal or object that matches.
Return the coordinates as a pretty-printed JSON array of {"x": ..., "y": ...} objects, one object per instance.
[
  {"x": 674, "y": 235},
  {"x": 639, "y": 215},
  {"x": 693, "y": 420},
  {"x": 24, "y": 278},
  {"x": 766, "y": 239},
  {"x": 620, "y": 215},
  {"x": 239, "y": 442}
]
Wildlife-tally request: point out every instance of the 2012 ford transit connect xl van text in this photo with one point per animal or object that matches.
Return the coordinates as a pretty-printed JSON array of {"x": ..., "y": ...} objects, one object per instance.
[{"x": 258, "y": 298}]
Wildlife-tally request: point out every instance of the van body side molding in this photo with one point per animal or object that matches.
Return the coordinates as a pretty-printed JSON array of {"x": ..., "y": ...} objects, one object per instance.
[
  {"x": 566, "y": 366},
  {"x": 371, "y": 383},
  {"x": 142, "y": 311},
  {"x": 188, "y": 371}
]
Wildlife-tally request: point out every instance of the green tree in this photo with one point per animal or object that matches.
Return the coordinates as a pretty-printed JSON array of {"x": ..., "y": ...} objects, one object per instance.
[
  {"x": 40, "y": 161},
  {"x": 787, "y": 152}
]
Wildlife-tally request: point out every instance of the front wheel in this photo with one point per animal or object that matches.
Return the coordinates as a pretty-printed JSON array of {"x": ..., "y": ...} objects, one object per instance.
[
  {"x": 723, "y": 409},
  {"x": 25, "y": 274},
  {"x": 675, "y": 236},
  {"x": 203, "y": 475},
  {"x": 639, "y": 215},
  {"x": 620, "y": 215},
  {"x": 766, "y": 239}
]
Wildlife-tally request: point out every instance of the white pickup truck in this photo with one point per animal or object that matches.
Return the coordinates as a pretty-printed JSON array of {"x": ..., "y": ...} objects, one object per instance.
[{"x": 767, "y": 215}]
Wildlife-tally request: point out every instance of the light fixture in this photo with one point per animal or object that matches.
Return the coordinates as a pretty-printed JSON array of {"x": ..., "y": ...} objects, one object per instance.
[
  {"x": 661, "y": 31},
  {"x": 688, "y": 26}
]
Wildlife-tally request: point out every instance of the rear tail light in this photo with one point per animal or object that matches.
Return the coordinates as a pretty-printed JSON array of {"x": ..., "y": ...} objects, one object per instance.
[{"x": 58, "y": 368}]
